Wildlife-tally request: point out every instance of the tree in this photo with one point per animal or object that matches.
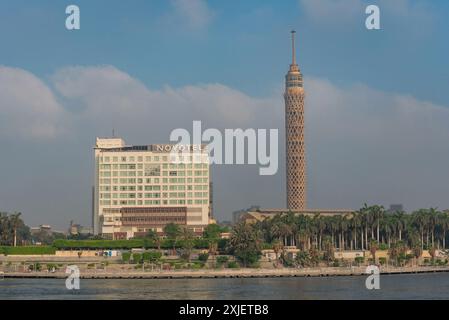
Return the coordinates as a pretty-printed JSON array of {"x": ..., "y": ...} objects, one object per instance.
[
  {"x": 245, "y": 244},
  {"x": 187, "y": 242},
  {"x": 154, "y": 237},
  {"x": 172, "y": 232},
  {"x": 212, "y": 231},
  {"x": 374, "y": 245}
]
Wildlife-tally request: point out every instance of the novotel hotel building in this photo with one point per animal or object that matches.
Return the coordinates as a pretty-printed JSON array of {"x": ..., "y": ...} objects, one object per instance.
[{"x": 141, "y": 188}]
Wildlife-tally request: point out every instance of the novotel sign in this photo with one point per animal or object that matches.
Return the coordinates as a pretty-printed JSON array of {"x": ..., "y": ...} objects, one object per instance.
[{"x": 178, "y": 147}]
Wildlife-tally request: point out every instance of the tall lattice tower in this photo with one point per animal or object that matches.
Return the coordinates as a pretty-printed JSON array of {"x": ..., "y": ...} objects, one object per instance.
[{"x": 294, "y": 136}]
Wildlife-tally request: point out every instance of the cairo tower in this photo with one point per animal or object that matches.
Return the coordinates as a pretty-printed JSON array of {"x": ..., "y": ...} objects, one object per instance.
[{"x": 294, "y": 136}]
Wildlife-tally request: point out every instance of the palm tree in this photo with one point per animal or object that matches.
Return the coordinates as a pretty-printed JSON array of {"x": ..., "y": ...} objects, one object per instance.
[
  {"x": 444, "y": 224},
  {"x": 399, "y": 219},
  {"x": 373, "y": 248},
  {"x": 433, "y": 221},
  {"x": 172, "y": 232},
  {"x": 15, "y": 222},
  {"x": 187, "y": 237}
]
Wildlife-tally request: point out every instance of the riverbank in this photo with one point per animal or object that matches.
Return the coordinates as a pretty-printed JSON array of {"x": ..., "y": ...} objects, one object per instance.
[{"x": 227, "y": 273}]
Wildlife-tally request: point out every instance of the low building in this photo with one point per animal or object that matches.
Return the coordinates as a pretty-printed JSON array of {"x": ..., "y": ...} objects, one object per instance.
[{"x": 43, "y": 228}]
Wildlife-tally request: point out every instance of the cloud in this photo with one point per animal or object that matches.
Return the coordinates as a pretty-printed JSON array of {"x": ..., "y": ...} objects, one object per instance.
[
  {"x": 28, "y": 108},
  {"x": 326, "y": 11},
  {"x": 369, "y": 145},
  {"x": 113, "y": 96},
  {"x": 363, "y": 144},
  {"x": 415, "y": 15},
  {"x": 194, "y": 13}
]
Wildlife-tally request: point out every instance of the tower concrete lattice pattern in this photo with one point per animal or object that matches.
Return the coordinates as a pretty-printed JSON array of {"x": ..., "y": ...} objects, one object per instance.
[{"x": 294, "y": 136}]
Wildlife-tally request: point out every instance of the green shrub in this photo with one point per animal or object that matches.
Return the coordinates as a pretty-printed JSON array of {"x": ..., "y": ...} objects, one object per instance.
[
  {"x": 203, "y": 257},
  {"x": 35, "y": 267},
  {"x": 126, "y": 256},
  {"x": 51, "y": 266},
  {"x": 359, "y": 260},
  {"x": 137, "y": 257},
  {"x": 233, "y": 265},
  {"x": 196, "y": 266},
  {"x": 222, "y": 259},
  {"x": 382, "y": 260},
  {"x": 152, "y": 256},
  {"x": 178, "y": 266}
]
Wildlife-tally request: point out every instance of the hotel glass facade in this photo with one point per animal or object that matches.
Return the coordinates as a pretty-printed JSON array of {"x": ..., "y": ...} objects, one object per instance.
[{"x": 140, "y": 188}]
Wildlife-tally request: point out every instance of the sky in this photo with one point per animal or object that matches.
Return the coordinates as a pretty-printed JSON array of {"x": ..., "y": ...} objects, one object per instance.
[{"x": 377, "y": 101}]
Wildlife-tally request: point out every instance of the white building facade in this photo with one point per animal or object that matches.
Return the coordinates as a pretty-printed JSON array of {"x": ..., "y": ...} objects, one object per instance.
[{"x": 142, "y": 188}]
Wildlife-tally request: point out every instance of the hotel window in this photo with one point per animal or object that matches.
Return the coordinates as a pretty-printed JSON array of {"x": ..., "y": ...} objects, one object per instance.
[
  {"x": 156, "y": 158},
  {"x": 139, "y": 159},
  {"x": 148, "y": 159},
  {"x": 152, "y": 170},
  {"x": 114, "y": 159},
  {"x": 123, "y": 159},
  {"x": 173, "y": 173},
  {"x": 132, "y": 159},
  {"x": 164, "y": 158}
]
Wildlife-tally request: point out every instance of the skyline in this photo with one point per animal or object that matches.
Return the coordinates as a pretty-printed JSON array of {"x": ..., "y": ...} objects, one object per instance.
[{"x": 82, "y": 85}]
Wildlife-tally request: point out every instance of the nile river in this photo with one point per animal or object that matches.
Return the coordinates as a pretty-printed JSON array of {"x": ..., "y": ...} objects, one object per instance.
[{"x": 414, "y": 286}]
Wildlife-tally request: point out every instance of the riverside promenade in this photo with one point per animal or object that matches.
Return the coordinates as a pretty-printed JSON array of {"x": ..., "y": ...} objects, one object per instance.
[{"x": 226, "y": 273}]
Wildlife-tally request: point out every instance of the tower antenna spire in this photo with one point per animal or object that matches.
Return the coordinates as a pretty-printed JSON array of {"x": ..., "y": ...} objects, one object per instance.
[{"x": 293, "y": 47}]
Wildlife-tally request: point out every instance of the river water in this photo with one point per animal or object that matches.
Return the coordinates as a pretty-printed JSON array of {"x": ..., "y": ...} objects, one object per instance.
[{"x": 413, "y": 286}]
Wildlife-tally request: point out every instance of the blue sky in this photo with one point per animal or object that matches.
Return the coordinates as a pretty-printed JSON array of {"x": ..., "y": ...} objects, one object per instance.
[
  {"x": 242, "y": 44},
  {"x": 244, "y": 47}
]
